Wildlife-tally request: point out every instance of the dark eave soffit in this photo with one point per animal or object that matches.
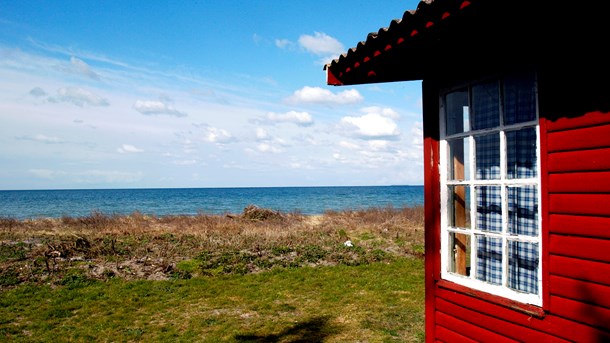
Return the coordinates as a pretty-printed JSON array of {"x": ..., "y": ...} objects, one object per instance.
[{"x": 442, "y": 37}]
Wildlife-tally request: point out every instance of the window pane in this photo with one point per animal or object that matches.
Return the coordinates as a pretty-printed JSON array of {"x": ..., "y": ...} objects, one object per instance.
[
  {"x": 459, "y": 247},
  {"x": 459, "y": 159},
  {"x": 485, "y": 105},
  {"x": 523, "y": 210},
  {"x": 521, "y": 154},
  {"x": 459, "y": 198},
  {"x": 489, "y": 259},
  {"x": 456, "y": 107},
  {"x": 523, "y": 265},
  {"x": 519, "y": 99},
  {"x": 488, "y": 157},
  {"x": 489, "y": 208}
]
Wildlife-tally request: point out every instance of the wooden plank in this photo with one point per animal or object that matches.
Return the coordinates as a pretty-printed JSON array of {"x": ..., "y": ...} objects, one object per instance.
[
  {"x": 580, "y": 204},
  {"x": 589, "y": 119},
  {"x": 474, "y": 332},
  {"x": 576, "y": 268},
  {"x": 488, "y": 308},
  {"x": 577, "y": 290},
  {"x": 579, "y": 161},
  {"x": 495, "y": 324},
  {"x": 586, "y": 226},
  {"x": 445, "y": 335},
  {"x": 587, "y": 182},
  {"x": 581, "y": 247},
  {"x": 560, "y": 327},
  {"x": 588, "y": 314},
  {"x": 432, "y": 201},
  {"x": 580, "y": 139}
]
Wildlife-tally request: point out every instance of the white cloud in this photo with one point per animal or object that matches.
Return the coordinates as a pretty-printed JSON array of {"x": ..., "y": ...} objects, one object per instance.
[
  {"x": 317, "y": 95},
  {"x": 386, "y": 112},
  {"x": 321, "y": 44},
  {"x": 128, "y": 149},
  {"x": 216, "y": 135},
  {"x": 293, "y": 117},
  {"x": 80, "y": 67},
  {"x": 284, "y": 44},
  {"x": 157, "y": 107},
  {"x": 185, "y": 162},
  {"x": 268, "y": 148},
  {"x": 261, "y": 134},
  {"x": 377, "y": 123},
  {"x": 79, "y": 97},
  {"x": 349, "y": 145},
  {"x": 41, "y": 138}
]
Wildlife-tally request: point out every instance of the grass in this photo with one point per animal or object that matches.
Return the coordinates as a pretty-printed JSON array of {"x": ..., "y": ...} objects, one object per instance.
[{"x": 260, "y": 276}]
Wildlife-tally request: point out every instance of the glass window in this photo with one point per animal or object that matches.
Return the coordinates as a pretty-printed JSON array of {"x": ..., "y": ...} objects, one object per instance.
[
  {"x": 485, "y": 105},
  {"x": 490, "y": 219},
  {"x": 521, "y": 153},
  {"x": 488, "y": 156},
  {"x": 456, "y": 105},
  {"x": 519, "y": 99},
  {"x": 459, "y": 155}
]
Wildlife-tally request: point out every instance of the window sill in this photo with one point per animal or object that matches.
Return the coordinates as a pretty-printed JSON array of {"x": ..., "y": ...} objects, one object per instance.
[{"x": 531, "y": 310}]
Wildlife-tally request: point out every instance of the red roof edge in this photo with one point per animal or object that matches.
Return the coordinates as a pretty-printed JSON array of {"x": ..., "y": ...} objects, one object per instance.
[{"x": 331, "y": 79}]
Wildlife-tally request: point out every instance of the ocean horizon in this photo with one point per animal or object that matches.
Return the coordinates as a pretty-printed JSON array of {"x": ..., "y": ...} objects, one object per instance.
[{"x": 308, "y": 200}]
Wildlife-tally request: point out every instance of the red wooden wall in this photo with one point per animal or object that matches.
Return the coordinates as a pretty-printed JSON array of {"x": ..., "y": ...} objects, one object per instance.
[{"x": 575, "y": 163}]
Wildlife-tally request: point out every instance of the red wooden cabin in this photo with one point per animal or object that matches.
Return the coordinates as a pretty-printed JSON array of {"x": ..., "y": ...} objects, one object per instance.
[{"x": 517, "y": 162}]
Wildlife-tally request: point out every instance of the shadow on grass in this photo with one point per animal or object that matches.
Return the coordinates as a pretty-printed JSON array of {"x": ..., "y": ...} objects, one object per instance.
[{"x": 313, "y": 330}]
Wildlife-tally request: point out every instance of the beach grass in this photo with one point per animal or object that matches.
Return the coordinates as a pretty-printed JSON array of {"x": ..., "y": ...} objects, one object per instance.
[{"x": 258, "y": 276}]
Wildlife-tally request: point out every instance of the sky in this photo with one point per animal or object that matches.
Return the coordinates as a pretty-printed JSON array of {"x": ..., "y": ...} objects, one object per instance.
[{"x": 210, "y": 93}]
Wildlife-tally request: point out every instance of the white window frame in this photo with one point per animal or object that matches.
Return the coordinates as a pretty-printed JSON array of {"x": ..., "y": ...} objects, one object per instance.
[{"x": 471, "y": 281}]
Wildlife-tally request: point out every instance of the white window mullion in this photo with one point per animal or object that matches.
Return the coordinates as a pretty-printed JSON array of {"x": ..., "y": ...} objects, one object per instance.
[
  {"x": 504, "y": 202},
  {"x": 445, "y": 257},
  {"x": 473, "y": 207}
]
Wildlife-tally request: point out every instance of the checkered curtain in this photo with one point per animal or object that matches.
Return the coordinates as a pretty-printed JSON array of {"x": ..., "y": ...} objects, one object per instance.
[
  {"x": 489, "y": 259},
  {"x": 519, "y": 99},
  {"x": 489, "y": 208},
  {"x": 523, "y": 210},
  {"x": 485, "y": 105},
  {"x": 521, "y": 153},
  {"x": 523, "y": 266},
  {"x": 488, "y": 156}
]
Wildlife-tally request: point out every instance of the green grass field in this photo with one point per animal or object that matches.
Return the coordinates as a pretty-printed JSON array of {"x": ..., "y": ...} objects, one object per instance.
[
  {"x": 378, "y": 302},
  {"x": 256, "y": 277}
]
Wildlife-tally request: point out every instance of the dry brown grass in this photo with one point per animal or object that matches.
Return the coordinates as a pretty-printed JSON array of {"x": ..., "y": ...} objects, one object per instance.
[{"x": 151, "y": 247}]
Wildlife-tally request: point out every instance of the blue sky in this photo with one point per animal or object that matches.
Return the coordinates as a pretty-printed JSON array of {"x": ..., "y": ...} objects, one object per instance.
[{"x": 132, "y": 94}]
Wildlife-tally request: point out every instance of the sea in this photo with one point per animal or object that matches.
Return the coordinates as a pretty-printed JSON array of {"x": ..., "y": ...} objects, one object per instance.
[{"x": 35, "y": 204}]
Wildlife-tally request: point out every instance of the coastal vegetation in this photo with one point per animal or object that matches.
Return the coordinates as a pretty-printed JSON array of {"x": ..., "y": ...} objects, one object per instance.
[{"x": 255, "y": 276}]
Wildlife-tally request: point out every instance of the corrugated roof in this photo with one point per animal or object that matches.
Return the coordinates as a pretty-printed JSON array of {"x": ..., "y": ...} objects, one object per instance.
[
  {"x": 467, "y": 33},
  {"x": 401, "y": 31}
]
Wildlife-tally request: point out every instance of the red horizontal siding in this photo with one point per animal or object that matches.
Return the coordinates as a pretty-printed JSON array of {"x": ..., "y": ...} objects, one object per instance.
[
  {"x": 580, "y": 204},
  {"x": 578, "y": 161},
  {"x": 580, "y": 139},
  {"x": 589, "y": 182},
  {"x": 587, "y": 226},
  {"x": 551, "y": 324},
  {"x": 578, "y": 290},
  {"x": 474, "y": 332},
  {"x": 589, "y": 119},
  {"x": 580, "y": 269},
  {"x": 581, "y": 312},
  {"x": 580, "y": 247},
  {"x": 492, "y": 323},
  {"x": 448, "y": 336}
]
